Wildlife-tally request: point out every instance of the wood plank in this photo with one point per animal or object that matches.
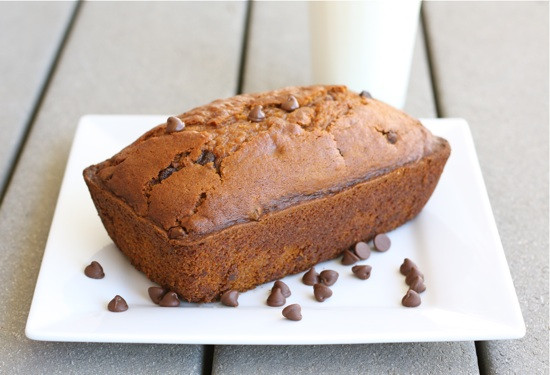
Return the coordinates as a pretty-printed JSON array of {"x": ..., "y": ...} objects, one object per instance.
[
  {"x": 278, "y": 55},
  {"x": 30, "y": 37},
  {"x": 277, "y": 52},
  {"x": 121, "y": 57},
  {"x": 420, "y": 100},
  {"x": 490, "y": 60},
  {"x": 421, "y": 358}
]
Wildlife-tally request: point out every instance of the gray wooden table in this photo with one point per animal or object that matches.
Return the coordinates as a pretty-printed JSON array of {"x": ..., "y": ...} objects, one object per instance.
[{"x": 485, "y": 62}]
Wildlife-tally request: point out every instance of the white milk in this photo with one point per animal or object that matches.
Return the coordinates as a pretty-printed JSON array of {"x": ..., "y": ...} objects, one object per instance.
[{"x": 366, "y": 45}]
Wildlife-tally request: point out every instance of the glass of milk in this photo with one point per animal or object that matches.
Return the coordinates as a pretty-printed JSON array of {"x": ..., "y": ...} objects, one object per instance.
[{"x": 366, "y": 45}]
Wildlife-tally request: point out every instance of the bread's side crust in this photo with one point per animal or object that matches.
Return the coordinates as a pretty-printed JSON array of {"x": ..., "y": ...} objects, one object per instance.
[{"x": 280, "y": 243}]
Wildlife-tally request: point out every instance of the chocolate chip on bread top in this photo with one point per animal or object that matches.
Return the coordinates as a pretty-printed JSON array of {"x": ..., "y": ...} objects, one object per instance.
[{"x": 255, "y": 187}]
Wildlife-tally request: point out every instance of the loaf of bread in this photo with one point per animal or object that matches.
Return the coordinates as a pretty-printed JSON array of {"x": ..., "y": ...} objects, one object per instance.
[{"x": 252, "y": 188}]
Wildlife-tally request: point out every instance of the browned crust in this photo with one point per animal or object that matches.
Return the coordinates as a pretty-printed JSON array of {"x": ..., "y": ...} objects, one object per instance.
[
  {"x": 280, "y": 243},
  {"x": 222, "y": 169}
]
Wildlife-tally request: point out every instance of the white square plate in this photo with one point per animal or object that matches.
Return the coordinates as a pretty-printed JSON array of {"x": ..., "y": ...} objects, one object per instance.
[{"x": 454, "y": 241}]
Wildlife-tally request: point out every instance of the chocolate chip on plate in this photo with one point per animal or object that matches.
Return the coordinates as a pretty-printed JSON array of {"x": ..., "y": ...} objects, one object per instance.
[
  {"x": 321, "y": 292},
  {"x": 276, "y": 298},
  {"x": 362, "y": 272},
  {"x": 256, "y": 114},
  {"x": 328, "y": 277},
  {"x": 156, "y": 293},
  {"x": 285, "y": 290},
  {"x": 349, "y": 258},
  {"x": 170, "y": 299},
  {"x": 382, "y": 242},
  {"x": 94, "y": 271},
  {"x": 406, "y": 266},
  {"x": 290, "y": 104},
  {"x": 311, "y": 277},
  {"x": 230, "y": 298},
  {"x": 174, "y": 124},
  {"x": 413, "y": 273},
  {"x": 365, "y": 94},
  {"x": 293, "y": 312},
  {"x": 411, "y": 299},
  {"x": 362, "y": 250},
  {"x": 117, "y": 304},
  {"x": 417, "y": 284}
]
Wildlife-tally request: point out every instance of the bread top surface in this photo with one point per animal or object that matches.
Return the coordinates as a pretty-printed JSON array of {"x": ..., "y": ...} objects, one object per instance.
[{"x": 223, "y": 169}]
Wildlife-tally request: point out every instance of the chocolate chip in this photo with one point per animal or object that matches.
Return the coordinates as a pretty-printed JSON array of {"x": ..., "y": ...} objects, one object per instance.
[
  {"x": 328, "y": 277},
  {"x": 411, "y": 299},
  {"x": 94, "y": 271},
  {"x": 117, "y": 304},
  {"x": 156, "y": 293},
  {"x": 174, "y": 124},
  {"x": 391, "y": 137},
  {"x": 413, "y": 273},
  {"x": 276, "y": 298},
  {"x": 406, "y": 266},
  {"x": 311, "y": 277},
  {"x": 349, "y": 258},
  {"x": 176, "y": 232},
  {"x": 165, "y": 173},
  {"x": 170, "y": 299},
  {"x": 362, "y": 272},
  {"x": 365, "y": 94},
  {"x": 285, "y": 290},
  {"x": 362, "y": 250},
  {"x": 291, "y": 104},
  {"x": 382, "y": 242},
  {"x": 293, "y": 312},
  {"x": 256, "y": 114},
  {"x": 230, "y": 298},
  {"x": 417, "y": 284},
  {"x": 206, "y": 157},
  {"x": 321, "y": 292}
]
